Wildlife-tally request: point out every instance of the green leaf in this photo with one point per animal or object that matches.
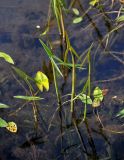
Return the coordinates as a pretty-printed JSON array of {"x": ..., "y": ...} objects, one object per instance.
[
  {"x": 77, "y": 20},
  {"x": 51, "y": 56},
  {"x": 3, "y": 123},
  {"x": 97, "y": 93},
  {"x": 48, "y": 51},
  {"x": 56, "y": 67},
  {"x": 76, "y": 11},
  {"x": 22, "y": 74},
  {"x": 93, "y": 2},
  {"x": 41, "y": 81},
  {"x": 120, "y": 19},
  {"x": 3, "y": 105},
  {"x": 120, "y": 114},
  {"x": 6, "y": 57},
  {"x": 96, "y": 103},
  {"x": 29, "y": 98},
  {"x": 85, "y": 99}
]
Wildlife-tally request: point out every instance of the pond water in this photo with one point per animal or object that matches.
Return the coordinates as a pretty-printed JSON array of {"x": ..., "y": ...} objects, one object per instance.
[{"x": 56, "y": 138}]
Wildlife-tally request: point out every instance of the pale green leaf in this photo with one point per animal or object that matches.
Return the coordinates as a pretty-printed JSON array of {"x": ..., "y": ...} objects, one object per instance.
[
  {"x": 97, "y": 93},
  {"x": 120, "y": 114},
  {"x": 93, "y": 2},
  {"x": 29, "y": 98},
  {"x": 85, "y": 99},
  {"x": 3, "y": 105},
  {"x": 96, "y": 103},
  {"x": 76, "y": 11},
  {"x": 6, "y": 57},
  {"x": 120, "y": 19},
  {"x": 3, "y": 123},
  {"x": 77, "y": 20}
]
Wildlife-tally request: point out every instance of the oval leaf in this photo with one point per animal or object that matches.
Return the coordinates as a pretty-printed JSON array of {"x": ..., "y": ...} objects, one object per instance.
[
  {"x": 96, "y": 103},
  {"x": 85, "y": 99},
  {"x": 12, "y": 127},
  {"x": 29, "y": 98},
  {"x": 41, "y": 81},
  {"x": 77, "y": 20},
  {"x": 76, "y": 11},
  {"x": 3, "y": 123},
  {"x": 6, "y": 57},
  {"x": 3, "y": 105},
  {"x": 97, "y": 93}
]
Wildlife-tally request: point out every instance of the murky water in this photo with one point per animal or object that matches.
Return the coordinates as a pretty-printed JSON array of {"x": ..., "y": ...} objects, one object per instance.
[{"x": 57, "y": 138}]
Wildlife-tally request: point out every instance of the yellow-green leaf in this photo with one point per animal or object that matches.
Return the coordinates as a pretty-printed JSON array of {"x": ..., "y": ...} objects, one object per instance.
[
  {"x": 76, "y": 11},
  {"x": 85, "y": 99},
  {"x": 97, "y": 93},
  {"x": 6, "y": 57},
  {"x": 77, "y": 20},
  {"x": 3, "y": 123},
  {"x": 3, "y": 105},
  {"x": 96, "y": 103},
  {"x": 28, "y": 98},
  {"x": 41, "y": 81},
  {"x": 93, "y": 2},
  {"x": 12, "y": 127}
]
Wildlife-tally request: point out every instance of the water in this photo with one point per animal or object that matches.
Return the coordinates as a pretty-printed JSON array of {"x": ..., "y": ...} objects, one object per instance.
[{"x": 56, "y": 137}]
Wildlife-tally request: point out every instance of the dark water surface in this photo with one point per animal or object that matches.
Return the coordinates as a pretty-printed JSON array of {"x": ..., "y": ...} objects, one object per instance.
[{"x": 56, "y": 139}]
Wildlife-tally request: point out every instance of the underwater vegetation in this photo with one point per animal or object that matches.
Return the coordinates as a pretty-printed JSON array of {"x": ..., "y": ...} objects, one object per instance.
[{"x": 69, "y": 99}]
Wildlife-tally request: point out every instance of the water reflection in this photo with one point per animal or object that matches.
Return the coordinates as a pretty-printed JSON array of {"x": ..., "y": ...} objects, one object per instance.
[{"x": 56, "y": 136}]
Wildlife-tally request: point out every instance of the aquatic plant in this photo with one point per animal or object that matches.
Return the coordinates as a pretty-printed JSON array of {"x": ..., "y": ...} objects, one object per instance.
[{"x": 11, "y": 126}]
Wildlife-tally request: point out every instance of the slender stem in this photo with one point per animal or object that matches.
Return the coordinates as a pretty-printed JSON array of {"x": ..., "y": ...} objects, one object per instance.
[
  {"x": 56, "y": 86},
  {"x": 73, "y": 84}
]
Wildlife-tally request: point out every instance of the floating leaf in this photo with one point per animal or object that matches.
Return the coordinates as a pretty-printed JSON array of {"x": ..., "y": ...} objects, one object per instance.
[
  {"x": 6, "y": 57},
  {"x": 41, "y": 81},
  {"x": 3, "y": 123},
  {"x": 76, "y": 11},
  {"x": 97, "y": 93},
  {"x": 85, "y": 99},
  {"x": 3, "y": 105},
  {"x": 12, "y": 127},
  {"x": 93, "y": 2},
  {"x": 96, "y": 103},
  {"x": 29, "y": 98},
  {"x": 77, "y": 20}
]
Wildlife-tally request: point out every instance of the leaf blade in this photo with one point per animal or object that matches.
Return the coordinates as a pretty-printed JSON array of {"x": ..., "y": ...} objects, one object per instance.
[{"x": 6, "y": 57}]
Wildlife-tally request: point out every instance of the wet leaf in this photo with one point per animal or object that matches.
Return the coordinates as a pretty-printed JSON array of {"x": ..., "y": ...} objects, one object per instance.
[
  {"x": 3, "y": 105},
  {"x": 76, "y": 11},
  {"x": 97, "y": 93},
  {"x": 41, "y": 81},
  {"x": 85, "y": 99},
  {"x": 77, "y": 20},
  {"x": 12, "y": 127},
  {"x": 96, "y": 103},
  {"x": 29, "y": 98},
  {"x": 3, "y": 123},
  {"x": 6, "y": 57}
]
